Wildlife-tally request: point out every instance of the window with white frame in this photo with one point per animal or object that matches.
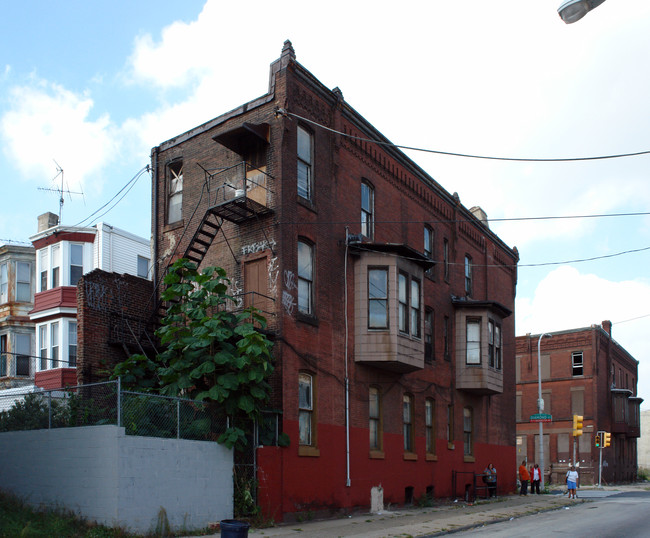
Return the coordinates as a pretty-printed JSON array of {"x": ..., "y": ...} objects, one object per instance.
[
  {"x": 143, "y": 267},
  {"x": 494, "y": 345},
  {"x": 473, "y": 340},
  {"x": 367, "y": 209},
  {"x": 72, "y": 344},
  {"x": 76, "y": 263},
  {"x": 403, "y": 302},
  {"x": 54, "y": 345},
  {"x": 450, "y": 423},
  {"x": 23, "y": 352},
  {"x": 378, "y": 298},
  {"x": 305, "y": 163},
  {"x": 43, "y": 268},
  {"x": 4, "y": 283},
  {"x": 577, "y": 366},
  {"x": 416, "y": 313},
  {"x": 55, "y": 270},
  {"x": 175, "y": 193},
  {"x": 23, "y": 282},
  {"x": 305, "y": 409},
  {"x": 430, "y": 425},
  {"x": 42, "y": 343},
  {"x": 468, "y": 431},
  {"x": 407, "y": 418},
  {"x": 305, "y": 277},
  {"x": 374, "y": 419},
  {"x": 468, "y": 275}
]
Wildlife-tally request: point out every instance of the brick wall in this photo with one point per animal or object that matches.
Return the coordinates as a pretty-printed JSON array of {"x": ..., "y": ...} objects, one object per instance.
[{"x": 111, "y": 309}]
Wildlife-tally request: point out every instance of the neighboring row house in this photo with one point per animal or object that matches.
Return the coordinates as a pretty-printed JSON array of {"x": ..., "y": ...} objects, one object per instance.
[
  {"x": 584, "y": 372},
  {"x": 16, "y": 329},
  {"x": 63, "y": 255},
  {"x": 390, "y": 303}
]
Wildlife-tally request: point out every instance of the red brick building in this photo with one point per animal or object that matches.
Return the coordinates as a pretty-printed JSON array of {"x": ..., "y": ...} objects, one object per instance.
[
  {"x": 584, "y": 372},
  {"x": 391, "y": 303}
]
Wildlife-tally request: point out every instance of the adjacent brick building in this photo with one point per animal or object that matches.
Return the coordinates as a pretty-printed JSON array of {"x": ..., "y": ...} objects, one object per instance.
[
  {"x": 584, "y": 372},
  {"x": 390, "y": 303}
]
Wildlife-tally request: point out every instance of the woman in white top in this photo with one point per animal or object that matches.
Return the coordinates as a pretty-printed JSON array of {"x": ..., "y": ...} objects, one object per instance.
[{"x": 572, "y": 481}]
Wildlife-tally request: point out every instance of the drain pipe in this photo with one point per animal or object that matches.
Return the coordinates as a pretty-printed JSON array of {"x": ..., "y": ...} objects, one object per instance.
[{"x": 347, "y": 381}]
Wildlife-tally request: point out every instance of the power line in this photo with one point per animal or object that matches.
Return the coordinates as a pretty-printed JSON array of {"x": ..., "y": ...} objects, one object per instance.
[
  {"x": 131, "y": 182},
  {"x": 283, "y": 112},
  {"x": 452, "y": 221}
]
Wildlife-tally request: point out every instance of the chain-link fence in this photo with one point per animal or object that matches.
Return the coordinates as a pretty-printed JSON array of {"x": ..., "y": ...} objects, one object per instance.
[{"x": 104, "y": 403}]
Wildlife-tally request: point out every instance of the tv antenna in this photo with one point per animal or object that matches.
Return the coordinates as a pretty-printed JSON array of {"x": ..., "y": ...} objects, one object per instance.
[{"x": 60, "y": 190}]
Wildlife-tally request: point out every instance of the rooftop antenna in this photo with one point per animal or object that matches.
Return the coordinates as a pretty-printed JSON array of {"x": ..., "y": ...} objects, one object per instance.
[{"x": 61, "y": 190}]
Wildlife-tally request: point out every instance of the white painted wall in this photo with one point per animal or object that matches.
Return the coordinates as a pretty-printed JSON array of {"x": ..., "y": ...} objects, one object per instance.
[
  {"x": 117, "y": 250},
  {"x": 114, "y": 479}
]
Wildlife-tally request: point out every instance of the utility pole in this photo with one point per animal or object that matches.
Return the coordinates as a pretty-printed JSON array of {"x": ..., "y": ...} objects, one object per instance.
[{"x": 540, "y": 404}]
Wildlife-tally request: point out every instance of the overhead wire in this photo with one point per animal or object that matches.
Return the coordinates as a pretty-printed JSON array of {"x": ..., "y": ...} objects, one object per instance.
[
  {"x": 282, "y": 111},
  {"x": 129, "y": 185}
]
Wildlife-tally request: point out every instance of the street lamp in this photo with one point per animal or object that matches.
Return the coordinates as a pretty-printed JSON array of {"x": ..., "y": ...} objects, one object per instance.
[
  {"x": 540, "y": 404},
  {"x": 573, "y": 10}
]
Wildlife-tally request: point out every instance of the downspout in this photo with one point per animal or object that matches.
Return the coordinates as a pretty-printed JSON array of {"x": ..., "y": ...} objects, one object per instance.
[
  {"x": 154, "y": 216},
  {"x": 347, "y": 381}
]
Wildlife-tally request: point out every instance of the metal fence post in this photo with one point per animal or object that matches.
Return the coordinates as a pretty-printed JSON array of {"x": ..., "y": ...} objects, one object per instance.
[
  {"x": 49, "y": 410},
  {"x": 119, "y": 402},
  {"x": 178, "y": 418}
]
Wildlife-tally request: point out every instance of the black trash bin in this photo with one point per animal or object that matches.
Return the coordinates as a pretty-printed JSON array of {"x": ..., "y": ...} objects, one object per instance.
[{"x": 231, "y": 528}]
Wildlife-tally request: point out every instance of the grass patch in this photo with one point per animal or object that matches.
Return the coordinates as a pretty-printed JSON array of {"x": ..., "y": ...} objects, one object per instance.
[{"x": 17, "y": 518}]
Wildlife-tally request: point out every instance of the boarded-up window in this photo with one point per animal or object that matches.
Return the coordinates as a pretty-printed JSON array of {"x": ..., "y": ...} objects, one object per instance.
[
  {"x": 518, "y": 369},
  {"x": 518, "y": 407},
  {"x": 256, "y": 285},
  {"x": 546, "y": 450},
  {"x": 563, "y": 448},
  {"x": 546, "y": 366},
  {"x": 522, "y": 450},
  {"x": 577, "y": 402},
  {"x": 584, "y": 445}
]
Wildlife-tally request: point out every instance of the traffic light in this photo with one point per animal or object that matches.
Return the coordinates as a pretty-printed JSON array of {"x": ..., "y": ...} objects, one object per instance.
[
  {"x": 607, "y": 441},
  {"x": 599, "y": 442},
  {"x": 577, "y": 425}
]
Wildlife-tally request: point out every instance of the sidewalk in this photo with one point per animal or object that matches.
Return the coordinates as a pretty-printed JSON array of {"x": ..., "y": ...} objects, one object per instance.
[{"x": 444, "y": 517}]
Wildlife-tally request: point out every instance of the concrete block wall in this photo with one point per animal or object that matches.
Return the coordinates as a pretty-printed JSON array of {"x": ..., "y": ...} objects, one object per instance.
[{"x": 105, "y": 476}]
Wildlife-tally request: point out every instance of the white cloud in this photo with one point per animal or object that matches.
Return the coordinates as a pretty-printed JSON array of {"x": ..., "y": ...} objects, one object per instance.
[{"x": 46, "y": 122}]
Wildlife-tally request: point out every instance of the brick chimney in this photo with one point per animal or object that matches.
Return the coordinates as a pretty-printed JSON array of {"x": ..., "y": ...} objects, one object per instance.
[
  {"x": 607, "y": 325},
  {"x": 47, "y": 220}
]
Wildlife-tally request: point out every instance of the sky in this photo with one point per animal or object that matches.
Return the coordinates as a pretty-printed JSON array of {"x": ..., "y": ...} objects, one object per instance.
[{"x": 90, "y": 87}]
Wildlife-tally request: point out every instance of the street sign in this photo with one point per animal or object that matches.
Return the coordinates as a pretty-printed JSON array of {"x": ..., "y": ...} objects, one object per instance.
[{"x": 541, "y": 417}]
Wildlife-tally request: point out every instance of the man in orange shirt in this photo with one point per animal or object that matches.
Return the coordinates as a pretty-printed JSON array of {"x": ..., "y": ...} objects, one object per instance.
[{"x": 524, "y": 477}]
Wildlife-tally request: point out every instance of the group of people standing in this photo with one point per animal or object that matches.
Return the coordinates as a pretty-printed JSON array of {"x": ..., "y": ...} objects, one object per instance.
[{"x": 534, "y": 477}]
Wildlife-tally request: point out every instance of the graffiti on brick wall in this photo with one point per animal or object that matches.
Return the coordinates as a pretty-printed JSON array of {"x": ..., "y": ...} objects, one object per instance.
[
  {"x": 290, "y": 280},
  {"x": 288, "y": 302},
  {"x": 290, "y": 284},
  {"x": 258, "y": 247},
  {"x": 235, "y": 292},
  {"x": 105, "y": 298},
  {"x": 273, "y": 276},
  {"x": 96, "y": 295}
]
